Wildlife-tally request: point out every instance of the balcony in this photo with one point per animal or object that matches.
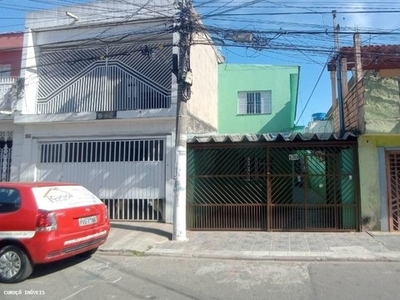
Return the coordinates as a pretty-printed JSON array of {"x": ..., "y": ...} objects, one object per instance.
[
  {"x": 103, "y": 86},
  {"x": 9, "y": 92}
]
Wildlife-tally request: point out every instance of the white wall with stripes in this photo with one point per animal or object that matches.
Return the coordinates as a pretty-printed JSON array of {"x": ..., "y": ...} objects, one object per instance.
[{"x": 127, "y": 165}]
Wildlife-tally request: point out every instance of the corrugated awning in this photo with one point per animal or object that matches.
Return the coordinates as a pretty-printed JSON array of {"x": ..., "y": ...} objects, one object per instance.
[{"x": 270, "y": 137}]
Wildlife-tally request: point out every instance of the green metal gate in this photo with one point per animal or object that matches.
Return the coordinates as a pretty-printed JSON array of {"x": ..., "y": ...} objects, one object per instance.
[{"x": 273, "y": 186}]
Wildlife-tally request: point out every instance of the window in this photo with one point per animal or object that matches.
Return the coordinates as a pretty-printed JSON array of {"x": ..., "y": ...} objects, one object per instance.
[
  {"x": 254, "y": 103},
  {"x": 50, "y": 153},
  {"x": 9, "y": 200},
  {"x": 5, "y": 70},
  {"x": 151, "y": 150}
]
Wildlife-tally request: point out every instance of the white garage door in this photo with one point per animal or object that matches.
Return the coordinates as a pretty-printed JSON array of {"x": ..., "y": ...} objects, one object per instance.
[{"x": 128, "y": 175}]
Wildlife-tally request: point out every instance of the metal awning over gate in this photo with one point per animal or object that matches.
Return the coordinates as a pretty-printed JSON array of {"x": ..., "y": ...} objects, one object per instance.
[{"x": 278, "y": 182}]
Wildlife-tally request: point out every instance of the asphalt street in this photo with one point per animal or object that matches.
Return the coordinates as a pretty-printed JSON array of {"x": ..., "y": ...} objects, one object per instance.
[{"x": 143, "y": 277}]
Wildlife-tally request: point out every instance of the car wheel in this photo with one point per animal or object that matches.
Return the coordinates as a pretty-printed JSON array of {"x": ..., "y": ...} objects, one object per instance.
[
  {"x": 88, "y": 253},
  {"x": 15, "y": 265}
]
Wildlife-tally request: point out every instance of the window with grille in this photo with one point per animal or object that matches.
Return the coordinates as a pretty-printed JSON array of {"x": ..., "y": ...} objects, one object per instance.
[
  {"x": 257, "y": 102},
  {"x": 103, "y": 151},
  {"x": 5, "y": 70}
]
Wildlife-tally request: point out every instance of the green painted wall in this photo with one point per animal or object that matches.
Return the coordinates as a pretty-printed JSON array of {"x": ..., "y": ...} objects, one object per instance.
[
  {"x": 281, "y": 80},
  {"x": 369, "y": 176}
]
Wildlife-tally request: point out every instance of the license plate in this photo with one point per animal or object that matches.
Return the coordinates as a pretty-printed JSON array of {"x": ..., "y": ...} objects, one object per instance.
[{"x": 87, "y": 221}]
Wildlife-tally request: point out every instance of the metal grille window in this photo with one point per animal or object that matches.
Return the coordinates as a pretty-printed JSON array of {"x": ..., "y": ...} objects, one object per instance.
[
  {"x": 5, "y": 158},
  {"x": 254, "y": 102},
  {"x": 50, "y": 153},
  {"x": 103, "y": 151},
  {"x": 5, "y": 70},
  {"x": 123, "y": 80}
]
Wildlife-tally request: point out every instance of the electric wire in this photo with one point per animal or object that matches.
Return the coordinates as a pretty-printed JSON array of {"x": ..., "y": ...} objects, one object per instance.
[
  {"x": 312, "y": 92},
  {"x": 313, "y": 42}
]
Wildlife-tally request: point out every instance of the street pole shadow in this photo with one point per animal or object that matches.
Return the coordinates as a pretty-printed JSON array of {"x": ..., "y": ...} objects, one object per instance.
[{"x": 155, "y": 231}]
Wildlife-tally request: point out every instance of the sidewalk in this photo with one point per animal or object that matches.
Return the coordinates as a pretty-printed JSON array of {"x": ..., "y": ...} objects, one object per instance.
[{"x": 145, "y": 238}]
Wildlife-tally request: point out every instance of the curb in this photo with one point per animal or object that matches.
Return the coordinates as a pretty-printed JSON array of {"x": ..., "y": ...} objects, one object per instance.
[
  {"x": 383, "y": 233},
  {"x": 122, "y": 252},
  {"x": 275, "y": 258},
  {"x": 310, "y": 258}
]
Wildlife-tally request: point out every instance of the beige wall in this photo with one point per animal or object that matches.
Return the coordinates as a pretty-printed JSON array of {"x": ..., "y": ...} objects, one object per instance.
[
  {"x": 372, "y": 105},
  {"x": 204, "y": 98},
  {"x": 382, "y": 104},
  {"x": 26, "y": 139}
]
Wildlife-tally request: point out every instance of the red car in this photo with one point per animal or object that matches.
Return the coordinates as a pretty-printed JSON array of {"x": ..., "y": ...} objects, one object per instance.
[{"x": 42, "y": 222}]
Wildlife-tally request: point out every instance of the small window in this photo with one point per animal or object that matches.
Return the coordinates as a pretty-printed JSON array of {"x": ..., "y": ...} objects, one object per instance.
[
  {"x": 10, "y": 200},
  {"x": 5, "y": 70},
  {"x": 254, "y": 103}
]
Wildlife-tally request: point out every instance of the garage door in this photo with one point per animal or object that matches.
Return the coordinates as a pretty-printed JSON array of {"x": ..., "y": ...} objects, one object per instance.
[{"x": 128, "y": 175}]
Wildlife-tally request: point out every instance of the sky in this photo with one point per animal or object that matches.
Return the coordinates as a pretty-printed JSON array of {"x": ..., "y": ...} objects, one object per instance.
[{"x": 288, "y": 32}]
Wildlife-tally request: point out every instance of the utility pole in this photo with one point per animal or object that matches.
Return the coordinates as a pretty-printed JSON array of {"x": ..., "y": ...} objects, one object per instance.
[
  {"x": 184, "y": 90},
  {"x": 338, "y": 75}
]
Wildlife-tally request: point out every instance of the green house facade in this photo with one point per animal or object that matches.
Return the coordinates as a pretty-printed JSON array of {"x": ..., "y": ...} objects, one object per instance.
[
  {"x": 257, "y": 99},
  {"x": 257, "y": 173}
]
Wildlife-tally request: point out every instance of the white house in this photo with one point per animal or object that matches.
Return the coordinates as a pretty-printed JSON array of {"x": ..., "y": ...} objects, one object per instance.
[{"x": 100, "y": 102}]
